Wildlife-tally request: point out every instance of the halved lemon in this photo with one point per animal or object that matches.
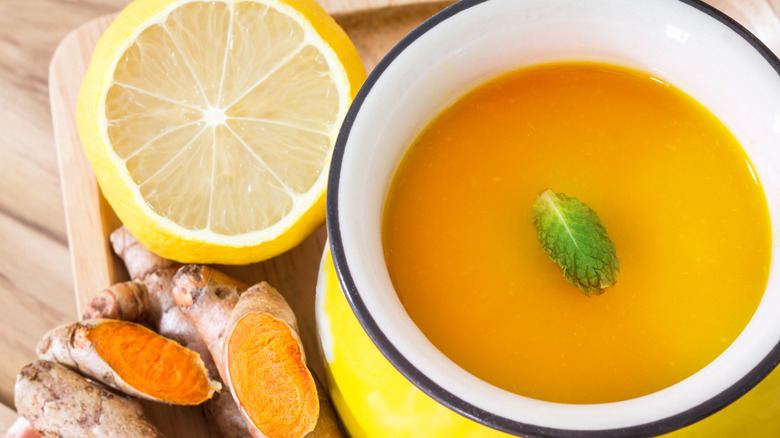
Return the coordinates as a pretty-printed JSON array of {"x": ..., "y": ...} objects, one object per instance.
[{"x": 210, "y": 124}]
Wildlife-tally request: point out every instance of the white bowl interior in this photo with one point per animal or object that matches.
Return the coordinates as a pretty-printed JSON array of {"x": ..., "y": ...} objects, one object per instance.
[{"x": 671, "y": 39}]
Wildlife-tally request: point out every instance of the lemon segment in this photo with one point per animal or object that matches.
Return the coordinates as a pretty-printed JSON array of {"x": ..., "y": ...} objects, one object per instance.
[{"x": 210, "y": 125}]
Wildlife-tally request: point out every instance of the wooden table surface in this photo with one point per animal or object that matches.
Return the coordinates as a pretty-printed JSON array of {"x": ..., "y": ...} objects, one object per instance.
[{"x": 36, "y": 284}]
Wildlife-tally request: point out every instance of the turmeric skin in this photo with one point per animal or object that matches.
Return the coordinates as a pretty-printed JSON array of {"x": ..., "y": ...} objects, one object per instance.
[
  {"x": 207, "y": 296},
  {"x": 130, "y": 358},
  {"x": 139, "y": 261},
  {"x": 127, "y": 301},
  {"x": 224, "y": 417},
  {"x": 61, "y": 403}
]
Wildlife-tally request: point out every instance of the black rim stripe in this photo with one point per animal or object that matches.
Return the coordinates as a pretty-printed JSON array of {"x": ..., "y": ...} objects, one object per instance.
[{"x": 424, "y": 383}]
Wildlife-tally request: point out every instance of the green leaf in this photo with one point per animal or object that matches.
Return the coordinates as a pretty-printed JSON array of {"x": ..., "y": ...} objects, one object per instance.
[{"x": 575, "y": 239}]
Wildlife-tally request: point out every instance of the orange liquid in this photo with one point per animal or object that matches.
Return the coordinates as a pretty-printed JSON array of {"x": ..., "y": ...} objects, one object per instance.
[{"x": 672, "y": 186}]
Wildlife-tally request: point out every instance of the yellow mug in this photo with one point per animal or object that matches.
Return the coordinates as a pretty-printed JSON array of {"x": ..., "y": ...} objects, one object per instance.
[{"x": 386, "y": 379}]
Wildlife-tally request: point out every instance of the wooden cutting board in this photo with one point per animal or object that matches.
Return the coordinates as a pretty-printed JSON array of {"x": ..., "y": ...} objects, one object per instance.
[{"x": 375, "y": 26}]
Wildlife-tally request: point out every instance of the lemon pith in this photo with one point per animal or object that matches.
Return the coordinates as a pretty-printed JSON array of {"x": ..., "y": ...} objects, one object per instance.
[{"x": 210, "y": 124}]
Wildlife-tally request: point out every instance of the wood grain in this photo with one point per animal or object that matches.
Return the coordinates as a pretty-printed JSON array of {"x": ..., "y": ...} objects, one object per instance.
[{"x": 88, "y": 217}]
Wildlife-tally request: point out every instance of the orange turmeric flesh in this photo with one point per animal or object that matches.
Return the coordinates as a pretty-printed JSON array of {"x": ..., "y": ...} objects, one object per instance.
[
  {"x": 270, "y": 378},
  {"x": 152, "y": 364}
]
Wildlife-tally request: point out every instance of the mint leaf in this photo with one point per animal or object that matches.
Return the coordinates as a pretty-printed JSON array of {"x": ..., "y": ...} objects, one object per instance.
[{"x": 574, "y": 238}]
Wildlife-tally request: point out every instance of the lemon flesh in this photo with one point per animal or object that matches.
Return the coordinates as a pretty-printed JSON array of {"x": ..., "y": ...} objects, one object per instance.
[{"x": 210, "y": 125}]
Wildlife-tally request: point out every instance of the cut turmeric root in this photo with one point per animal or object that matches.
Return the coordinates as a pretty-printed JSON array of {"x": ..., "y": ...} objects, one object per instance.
[
  {"x": 254, "y": 340},
  {"x": 148, "y": 301},
  {"x": 59, "y": 402},
  {"x": 155, "y": 273},
  {"x": 130, "y": 358},
  {"x": 266, "y": 365}
]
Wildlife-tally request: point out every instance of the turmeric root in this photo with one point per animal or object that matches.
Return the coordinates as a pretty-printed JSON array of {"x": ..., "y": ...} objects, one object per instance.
[
  {"x": 266, "y": 365},
  {"x": 156, "y": 273},
  {"x": 221, "y": 410},
  {"x": 225, "y": 419},
  {"x": 22, "y": 429},
  {"x": 59, "y": 402},
  {"x": 163, "y": 315},
  {"x": 139, "y": 261},
  {"x": 255, "y": 344},
  {"x": 131, "y": 358},
  {"x": 127, "y": 301},
  {"x": 132, "y": 301},
  {"x": 207, "y": 296}
]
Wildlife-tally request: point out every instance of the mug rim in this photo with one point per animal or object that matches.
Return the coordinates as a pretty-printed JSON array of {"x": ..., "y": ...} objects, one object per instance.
[{"x": 418, "y": 378}]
